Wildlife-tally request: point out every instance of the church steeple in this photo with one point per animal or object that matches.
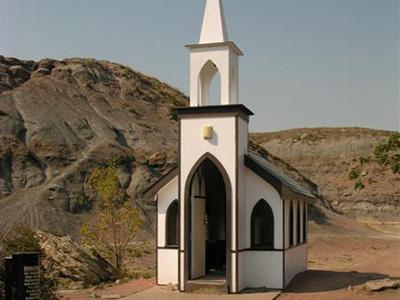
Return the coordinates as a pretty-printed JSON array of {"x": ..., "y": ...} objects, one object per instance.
[
  {"x": 214, "y": 27},
  {"x": 214, "y": 53}
]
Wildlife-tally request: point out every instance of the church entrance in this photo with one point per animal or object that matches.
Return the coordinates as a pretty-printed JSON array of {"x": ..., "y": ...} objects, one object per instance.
[
  {"x": 215, "y": 220},
  {"x": 208, "y": 224}
]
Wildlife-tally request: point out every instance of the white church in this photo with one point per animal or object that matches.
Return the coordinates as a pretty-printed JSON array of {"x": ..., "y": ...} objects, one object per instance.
[{"x": 226, "y": 216}]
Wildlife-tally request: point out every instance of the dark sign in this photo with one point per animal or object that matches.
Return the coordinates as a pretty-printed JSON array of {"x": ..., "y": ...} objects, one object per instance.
[
  {"x": 9, "y": 281},
  {"x": 22, "y": 272}
]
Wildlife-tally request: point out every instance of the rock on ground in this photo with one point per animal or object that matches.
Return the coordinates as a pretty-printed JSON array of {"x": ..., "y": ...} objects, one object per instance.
[
  {"x": 382, "y": 284},
  {"x": 72, "y": 264}
]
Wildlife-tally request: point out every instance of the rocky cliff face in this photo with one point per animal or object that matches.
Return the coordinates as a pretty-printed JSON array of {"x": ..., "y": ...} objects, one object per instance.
[
  {"x": 327, "y": 155},
  {"x": 58, "y": 119}
]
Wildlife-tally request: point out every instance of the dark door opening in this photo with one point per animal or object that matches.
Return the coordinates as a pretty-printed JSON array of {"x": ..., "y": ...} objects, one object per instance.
[
  {"x": 208, "y": 198},
  {"x": 215, "y": 220}
]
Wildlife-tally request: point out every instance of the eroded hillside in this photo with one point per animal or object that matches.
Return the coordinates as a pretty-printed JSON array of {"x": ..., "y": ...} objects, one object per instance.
[
  {"x": 327, "y": 155},
  {"x": 60, "y": 118}
]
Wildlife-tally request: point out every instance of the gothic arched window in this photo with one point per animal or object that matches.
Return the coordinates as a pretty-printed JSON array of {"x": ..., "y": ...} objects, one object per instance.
[
  {"x": 172, "y": 224},
  {"x": 262, "y": 226}
]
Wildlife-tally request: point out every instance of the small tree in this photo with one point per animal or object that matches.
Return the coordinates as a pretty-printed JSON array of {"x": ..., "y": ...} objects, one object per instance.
[
  {"x": 115, "y": 221},
  {"x": 386, "y": 154}
]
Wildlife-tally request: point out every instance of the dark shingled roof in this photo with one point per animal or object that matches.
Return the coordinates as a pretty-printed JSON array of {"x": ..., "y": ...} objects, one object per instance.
[{"x": 274, "y": 174}]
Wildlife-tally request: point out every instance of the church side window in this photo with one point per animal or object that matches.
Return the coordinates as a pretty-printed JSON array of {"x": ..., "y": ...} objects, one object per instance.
[
  {"x": 262, "y": 226},
  {"x": 172, "y": 225},
  {"x": 291, "y": 224},
  {"x": 305, "y": 222},
  {"x": 298, "y": 224}
]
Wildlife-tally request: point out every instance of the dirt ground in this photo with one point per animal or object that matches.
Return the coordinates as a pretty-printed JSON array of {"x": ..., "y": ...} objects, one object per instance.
[
  {"x": 339, "y": 265},
  {"x": 123, "y": 290},
  {"x": 343, "y": 254}
]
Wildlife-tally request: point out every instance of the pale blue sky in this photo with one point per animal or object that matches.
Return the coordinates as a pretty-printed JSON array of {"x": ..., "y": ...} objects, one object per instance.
[{"x": 307, "y": 63}]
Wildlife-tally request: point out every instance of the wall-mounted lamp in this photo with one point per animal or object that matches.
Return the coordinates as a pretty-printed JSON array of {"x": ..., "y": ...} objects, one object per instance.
[{"x": 208, "y": 132}]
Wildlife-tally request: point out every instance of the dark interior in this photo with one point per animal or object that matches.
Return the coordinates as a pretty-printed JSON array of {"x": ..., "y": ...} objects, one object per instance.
[
  {"x": 172, "y": 225},
  {"x": 262, "y": 226},
  {"x": 216, "y": 220}
]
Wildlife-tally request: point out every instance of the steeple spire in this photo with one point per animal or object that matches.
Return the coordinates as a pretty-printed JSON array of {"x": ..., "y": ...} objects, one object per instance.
[
  {"x": 214, "y": 54},
  {"x": 214, "y": 28}
]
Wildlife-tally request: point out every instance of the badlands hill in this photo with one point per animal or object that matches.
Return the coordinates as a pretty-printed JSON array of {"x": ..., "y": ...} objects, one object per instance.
[
  {"x": 327, "y": 155},
  {"x": 59, "y": 119}
]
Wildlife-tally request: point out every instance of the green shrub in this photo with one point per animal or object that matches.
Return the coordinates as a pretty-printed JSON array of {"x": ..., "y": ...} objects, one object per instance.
[
  {"x": 355, "y": 173},
  {"x": 387, "y": 153},
  {"x": 358, "y": 186},
  {"x": 173, "y": 115},
  {"x": 364, "y": 160}
]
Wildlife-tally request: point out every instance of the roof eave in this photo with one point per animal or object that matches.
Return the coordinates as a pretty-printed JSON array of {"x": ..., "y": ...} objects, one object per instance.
[
  {"x": 288, "y": 193},
  {"x": 161, "y": 182},
  {"x": 284, "y": 190},
  {"x": 213, "y": 110},
  {"x": 229, "y": 44}
]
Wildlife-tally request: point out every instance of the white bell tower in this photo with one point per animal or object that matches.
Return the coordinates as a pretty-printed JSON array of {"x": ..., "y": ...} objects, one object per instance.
[
  {"x": 228, "y": 219},
  {"x": 214, "y": 53}
]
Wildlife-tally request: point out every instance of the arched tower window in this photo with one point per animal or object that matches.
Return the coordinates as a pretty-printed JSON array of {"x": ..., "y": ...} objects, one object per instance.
[
  {"x": 206, "y": 77},
  {"x": 172, "y": 224},
  {"x": 214, "y": 97},
  {"x": 291, "y": 224},
  {"x": 298, "y": 227},
  {"x": 262, "y": 226}
]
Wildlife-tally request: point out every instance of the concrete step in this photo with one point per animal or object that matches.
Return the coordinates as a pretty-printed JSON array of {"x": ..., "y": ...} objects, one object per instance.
[{"x": 218, "y": 287}]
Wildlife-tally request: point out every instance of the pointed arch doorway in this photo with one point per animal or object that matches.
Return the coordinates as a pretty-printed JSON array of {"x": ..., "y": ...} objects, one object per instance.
[{"x": 208, "y": 222}]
